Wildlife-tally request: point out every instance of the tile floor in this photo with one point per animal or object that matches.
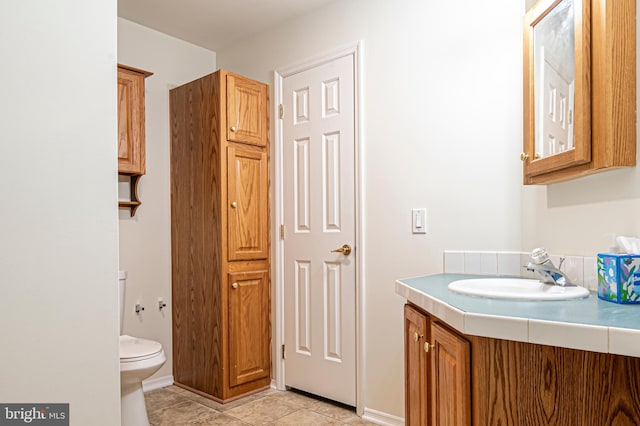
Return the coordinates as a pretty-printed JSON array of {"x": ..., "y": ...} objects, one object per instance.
[{"x": 174, "y": 406}]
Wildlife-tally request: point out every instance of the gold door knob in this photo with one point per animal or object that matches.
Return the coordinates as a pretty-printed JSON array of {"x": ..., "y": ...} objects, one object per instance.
[
  {"x": 233, "y": 129},
  {"x": 345, "y": 249},
  {"x": 415, "y": 337},
  {"x": 524, "y": 156},
  {"x": 234, "y": 204},
  {"x": 234, "y": 285}
]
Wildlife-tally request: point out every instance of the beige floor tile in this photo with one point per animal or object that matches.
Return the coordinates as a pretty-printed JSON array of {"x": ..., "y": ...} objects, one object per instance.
[
  {"x": 224, "y": 420},
  {"x": 162, "y": 398},
  {"x": 306, "y": 417},
  {"x": 246, "y": 399},
  {"x": 359, "y": 422},
  {"x": 204, "y": 401},
  {"x": 176, "y": 406},
  {"x": 337, "y": 412},
  {"x": 176, "y": 389},
  {"x": 296, "y": 398},
  {"x": 189, "y": 413},
  {"x": 263, "y": 410}
]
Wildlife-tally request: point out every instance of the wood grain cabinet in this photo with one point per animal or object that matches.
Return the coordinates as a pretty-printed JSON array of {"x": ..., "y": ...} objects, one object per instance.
[
  {"x": 416, "y": 367},
  {"x": 470, "y": 380},
  {"x": 248, "y": 191},
  {"x": 580, "y": 115},
  {"x": 220, "y": 236},
  {"x": 131, "y": 129},
  {"x": 438, "y": 379},
  {"x": 245, "y": 99}
]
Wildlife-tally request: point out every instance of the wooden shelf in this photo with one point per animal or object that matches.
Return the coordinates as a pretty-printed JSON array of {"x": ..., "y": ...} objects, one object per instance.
[
  {"x": 133, "y": 205},
  {"x": 135, "y": 201}
]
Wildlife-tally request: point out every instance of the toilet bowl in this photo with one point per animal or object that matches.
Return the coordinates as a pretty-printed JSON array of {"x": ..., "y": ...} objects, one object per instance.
[{"x": 139, "y": 359}]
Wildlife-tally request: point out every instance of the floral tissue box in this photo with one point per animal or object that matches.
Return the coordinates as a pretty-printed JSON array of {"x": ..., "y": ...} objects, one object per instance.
[{"x": 619, "y": 278}]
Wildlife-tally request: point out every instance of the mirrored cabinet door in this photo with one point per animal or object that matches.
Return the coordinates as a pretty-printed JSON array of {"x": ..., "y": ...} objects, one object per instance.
[
  {"x": 557, "y": 86},
  {"x": 579, "y": 88}
]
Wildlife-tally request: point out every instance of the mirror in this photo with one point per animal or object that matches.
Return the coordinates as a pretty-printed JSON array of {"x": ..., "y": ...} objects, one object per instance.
[
  {"x": 554, "y": 80},
  {"x": 557, "y": 85}
]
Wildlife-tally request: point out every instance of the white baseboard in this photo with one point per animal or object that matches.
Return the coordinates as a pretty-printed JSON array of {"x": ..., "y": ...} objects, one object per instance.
[
  {"x": 380, "y": 418},
  {"x": 157, "y": 383}
]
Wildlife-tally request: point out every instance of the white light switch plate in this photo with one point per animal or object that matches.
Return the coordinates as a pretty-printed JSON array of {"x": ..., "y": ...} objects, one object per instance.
[{"x": 419, "y": 221}]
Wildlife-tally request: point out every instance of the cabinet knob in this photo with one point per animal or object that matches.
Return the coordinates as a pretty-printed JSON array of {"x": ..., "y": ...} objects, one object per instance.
[
  {"x": 234, "y": 204},
  {"x": 234, "y": 285},
  {"x": 416, "y": 336},
  {"x": 233, "y": 129},
  {"x": 524, "y": 156},
  {"x": 427, "y": 346}
]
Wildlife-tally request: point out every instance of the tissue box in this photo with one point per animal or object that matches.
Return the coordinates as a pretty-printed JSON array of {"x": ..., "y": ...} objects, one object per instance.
[{"x": 619, "y": 278}]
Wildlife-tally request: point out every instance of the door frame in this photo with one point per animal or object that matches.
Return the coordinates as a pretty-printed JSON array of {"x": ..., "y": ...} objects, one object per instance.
[{"x": 355, "y": 50}]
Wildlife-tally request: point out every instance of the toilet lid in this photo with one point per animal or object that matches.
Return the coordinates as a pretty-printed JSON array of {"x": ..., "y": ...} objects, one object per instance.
[{"x": 133, "y": 348}]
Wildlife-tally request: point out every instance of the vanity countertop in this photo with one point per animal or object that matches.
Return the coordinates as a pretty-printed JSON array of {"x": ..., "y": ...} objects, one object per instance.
[{"x": 589, "y": 324}]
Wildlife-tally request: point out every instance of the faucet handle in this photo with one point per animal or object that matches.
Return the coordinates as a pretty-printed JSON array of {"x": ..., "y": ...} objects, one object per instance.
[
  {"x": 561, "y": 262},
  {"x": 539, "y": 255}
]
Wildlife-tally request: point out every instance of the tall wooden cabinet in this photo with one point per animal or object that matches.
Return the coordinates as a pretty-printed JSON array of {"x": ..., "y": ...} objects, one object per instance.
[
  {"x": 220, "y": 235},
  {"x": 437, "y": 373}
]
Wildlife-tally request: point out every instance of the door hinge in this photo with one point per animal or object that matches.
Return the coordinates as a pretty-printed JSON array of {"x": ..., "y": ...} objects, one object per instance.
[
  {"x": 282, "y": 232},
  {"x": 281, "y": 111},
  {"x": 282, "y": 351}
]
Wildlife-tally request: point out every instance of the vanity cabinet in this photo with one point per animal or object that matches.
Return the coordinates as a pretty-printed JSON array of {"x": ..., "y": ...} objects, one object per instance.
[
  {"x": 502, "y": 382},
  {"x": 131, "y": 130},
  {"x": 437, "y": 373},
  {"x": 579, "y": 116},
  {"x": 220, "y": 236},
  {"x": 416, "y": 367}
]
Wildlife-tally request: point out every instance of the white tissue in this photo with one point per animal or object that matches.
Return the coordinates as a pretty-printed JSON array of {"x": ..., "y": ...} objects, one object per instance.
[{"x": 629, "y": 245}]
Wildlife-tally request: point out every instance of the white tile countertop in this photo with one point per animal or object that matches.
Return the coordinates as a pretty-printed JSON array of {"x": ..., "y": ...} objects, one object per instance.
[{"x": 588, "y": 324}]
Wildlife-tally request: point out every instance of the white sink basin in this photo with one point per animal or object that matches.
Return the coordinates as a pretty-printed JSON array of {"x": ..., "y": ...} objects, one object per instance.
[{"x": 516, "y": 288}]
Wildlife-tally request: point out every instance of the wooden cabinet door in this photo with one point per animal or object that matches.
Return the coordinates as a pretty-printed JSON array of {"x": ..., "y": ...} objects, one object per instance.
[
  {"x": 247, "y": 111},
  {"x": 450, "y": 385},
  {"x": 248, "y": 210},
  {"x": 131, "y": 137},
  {"x": 249, "y": 338},
  {"x": 416, "y": 366}
]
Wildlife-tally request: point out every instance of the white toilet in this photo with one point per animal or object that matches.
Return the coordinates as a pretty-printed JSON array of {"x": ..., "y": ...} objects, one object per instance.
[{"x": 139, "y": 359}]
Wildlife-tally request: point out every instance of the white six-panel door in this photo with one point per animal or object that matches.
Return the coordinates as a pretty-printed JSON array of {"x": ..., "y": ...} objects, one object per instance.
[{"x": 319, "y": 216}]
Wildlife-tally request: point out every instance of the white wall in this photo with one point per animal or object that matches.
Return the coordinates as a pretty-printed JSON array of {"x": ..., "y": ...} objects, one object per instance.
[
  {"x": 582, "y": 217},
  {"x": 58, "y": 212},
  {"x": 443, "y": 130},
  {"x": 145, "y": 239}
]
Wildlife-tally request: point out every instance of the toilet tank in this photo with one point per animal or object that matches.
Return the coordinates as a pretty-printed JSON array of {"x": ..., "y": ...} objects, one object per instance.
[{"x": 122, "y": 281}]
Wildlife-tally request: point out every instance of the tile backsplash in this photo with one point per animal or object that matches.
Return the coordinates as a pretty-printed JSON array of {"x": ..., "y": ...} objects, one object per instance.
[{"x": 581, "y": 270}]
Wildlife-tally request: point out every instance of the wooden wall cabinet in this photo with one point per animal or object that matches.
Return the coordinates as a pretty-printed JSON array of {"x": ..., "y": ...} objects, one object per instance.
[
  {"x": 481, "y": 381},
  {"x": 437, "y": 372},
  {"x": 220, "y": 236},
  {"x": 131, "y": 130},
  {"x": 603, "y": 119}
]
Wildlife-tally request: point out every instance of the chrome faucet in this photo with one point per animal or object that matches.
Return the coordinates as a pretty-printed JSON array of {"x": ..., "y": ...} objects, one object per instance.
[{"x": 543, "y": 265}]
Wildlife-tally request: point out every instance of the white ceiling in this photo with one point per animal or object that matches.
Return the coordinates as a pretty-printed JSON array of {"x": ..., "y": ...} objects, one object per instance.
[{"x": 213, "y": 24}]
